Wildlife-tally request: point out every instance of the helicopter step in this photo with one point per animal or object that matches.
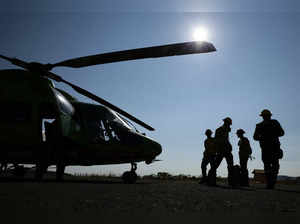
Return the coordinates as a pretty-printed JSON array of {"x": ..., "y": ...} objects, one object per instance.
[
  {"x": 60, "y": 170},
  {"x": 130, "y": 177}
]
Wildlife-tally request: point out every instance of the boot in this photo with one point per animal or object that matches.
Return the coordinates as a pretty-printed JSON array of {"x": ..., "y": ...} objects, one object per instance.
[
  {"x": 270, "y": 183},
  {"x": 273, "y": 181},
  {"x": 244, "y": 178},
  {"x": 230, "y": 178},
  {"x": 203, "y": 180},
  {"x": 212, "y": 178}
]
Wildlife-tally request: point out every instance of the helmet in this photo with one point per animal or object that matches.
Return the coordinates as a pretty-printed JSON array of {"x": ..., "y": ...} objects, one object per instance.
[
  {"x": 240, "y": 131},
  {"x": 208, "y": 132},
  {"x": 227, "y": 119},
  {"x": 265, "y": 112}
]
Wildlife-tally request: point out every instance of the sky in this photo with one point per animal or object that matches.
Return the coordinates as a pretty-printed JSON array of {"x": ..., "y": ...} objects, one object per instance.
[{"x": 256, "y": 67}]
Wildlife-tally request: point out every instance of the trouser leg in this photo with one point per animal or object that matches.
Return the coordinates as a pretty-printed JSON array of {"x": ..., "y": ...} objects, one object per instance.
[
  {"x": 244, "y": 171},
  {"x": 271, "y": 167},
  {"x": 274, "y": 172},
  {"x": 212, "y": 174},
  {"x": 271, "y": 163},
  {"x": 204, "y": 164},
  {"x": 229, "y": 160},
  {"x": 268, "y": 173},
  {"x": 243, "y": 163},
  {"x": 218, "y": 160}
]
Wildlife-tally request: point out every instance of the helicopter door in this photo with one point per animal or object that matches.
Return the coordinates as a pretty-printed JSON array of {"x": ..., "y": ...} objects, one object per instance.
[
  {"x": 66, "y": 112},
  {"x": 48, "y": 119}
]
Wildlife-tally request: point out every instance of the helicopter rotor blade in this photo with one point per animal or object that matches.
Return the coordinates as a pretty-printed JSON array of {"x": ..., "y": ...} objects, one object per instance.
[
  {"x": 193, "y": 47},
  {"x": 30, "y": 66},
  {"x": 16, "y": 61},
  {"x": 99, "y": 100},
  {"x": 185, "y": 48},
  {"x": 40, "y": 68}
]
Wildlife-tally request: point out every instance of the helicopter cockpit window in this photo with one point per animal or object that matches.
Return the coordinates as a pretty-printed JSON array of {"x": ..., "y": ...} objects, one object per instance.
[
  {"x": 15, "y": 112},
  {"x": 116, "y": 118},
  {"x": 64, "y": 105},
  {"x": 101, "y": 130},
  {"x": 104, "y": 126},
  {"x": 96, "y": 130}
]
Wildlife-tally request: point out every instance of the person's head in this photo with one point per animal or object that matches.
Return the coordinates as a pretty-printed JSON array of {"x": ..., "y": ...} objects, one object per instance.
[
  {"x": 266, "y": 114},
  {"x": 227, "y": 121},
  {"x": 208, "y": 133},
  {"x": 240, "y": 133}
]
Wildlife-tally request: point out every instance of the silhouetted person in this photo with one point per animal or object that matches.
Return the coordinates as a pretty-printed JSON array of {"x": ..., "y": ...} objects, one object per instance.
[
  {"x": 245, "y": 152},
  {"x": 209, "y": 155},
  {"x": 224, "y": 147},
  {"x": 267, "y": 133}
]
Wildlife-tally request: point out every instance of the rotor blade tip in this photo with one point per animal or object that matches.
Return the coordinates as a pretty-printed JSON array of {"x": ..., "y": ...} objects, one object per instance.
[{"x": 211, "y": 47}]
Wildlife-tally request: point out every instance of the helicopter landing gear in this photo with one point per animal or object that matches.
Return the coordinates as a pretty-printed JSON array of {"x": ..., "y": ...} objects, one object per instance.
[
  {"x": 60, "y": 170},
  {"x": 130, "y": 177},
  {"x": 40, "y": 170}
]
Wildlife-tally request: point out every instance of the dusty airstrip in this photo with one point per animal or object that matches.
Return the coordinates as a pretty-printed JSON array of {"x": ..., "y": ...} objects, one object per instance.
[{"x": 76, "y": 200}]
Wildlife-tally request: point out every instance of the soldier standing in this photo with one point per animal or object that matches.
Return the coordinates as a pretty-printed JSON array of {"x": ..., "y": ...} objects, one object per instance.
[
  {"x": 267, "y": 133},
  {"x": 245, "y": 152},
  {"x": 224, "y": 147},
  {"x": 209, "y": 155}
]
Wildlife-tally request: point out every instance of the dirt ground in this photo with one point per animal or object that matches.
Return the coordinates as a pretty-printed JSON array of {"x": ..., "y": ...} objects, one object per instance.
[{"x": 78, "y": 201}]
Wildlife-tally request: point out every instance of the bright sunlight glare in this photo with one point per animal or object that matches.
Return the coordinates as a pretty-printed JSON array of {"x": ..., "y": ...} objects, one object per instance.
[{"x": 200, "y": 34}]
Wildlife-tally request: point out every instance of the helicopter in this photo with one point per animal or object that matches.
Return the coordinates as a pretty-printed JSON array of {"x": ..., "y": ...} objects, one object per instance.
[{"x": 45, "y": 126}]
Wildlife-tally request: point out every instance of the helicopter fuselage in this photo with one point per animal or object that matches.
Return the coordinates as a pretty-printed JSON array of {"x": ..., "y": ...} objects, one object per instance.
[{"x": 39, "y": 122}]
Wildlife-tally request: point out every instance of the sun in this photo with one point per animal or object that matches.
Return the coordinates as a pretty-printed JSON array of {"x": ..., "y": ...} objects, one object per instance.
[{"x": 200, "y": 34}]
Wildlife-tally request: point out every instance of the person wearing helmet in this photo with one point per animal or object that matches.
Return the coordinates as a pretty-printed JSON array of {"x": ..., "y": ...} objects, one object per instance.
[
  {"x": 209, "y": 156},
  {"x": 224, "y": 147},
  {"x": 267, "y": 133},
  {"x": 245, "y": 152}
]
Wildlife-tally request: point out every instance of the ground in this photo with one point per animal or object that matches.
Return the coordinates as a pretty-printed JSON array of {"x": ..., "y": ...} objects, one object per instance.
[{"x": 77, "y": 200}]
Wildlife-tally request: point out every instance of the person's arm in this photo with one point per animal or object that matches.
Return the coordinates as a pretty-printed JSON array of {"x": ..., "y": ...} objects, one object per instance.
[
  {"x": 248, "y": 147},
  {"x": 256, "y": 135},
  {"x": 205, "y": 145},
  {"x": 280, "y": 131}
]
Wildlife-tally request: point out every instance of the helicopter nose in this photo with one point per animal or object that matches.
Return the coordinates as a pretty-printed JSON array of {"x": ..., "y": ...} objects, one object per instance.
[
  {"x": 154, "y": 149},
  {"x": 157, "y": 149}
]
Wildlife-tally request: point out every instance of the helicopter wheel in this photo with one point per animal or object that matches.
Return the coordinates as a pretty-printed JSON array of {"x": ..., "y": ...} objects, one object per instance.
[{"x": 130, "y": 177}]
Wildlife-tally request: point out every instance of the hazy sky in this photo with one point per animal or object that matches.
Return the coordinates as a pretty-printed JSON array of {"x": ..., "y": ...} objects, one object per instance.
[{"x": 256, "y": 66}]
